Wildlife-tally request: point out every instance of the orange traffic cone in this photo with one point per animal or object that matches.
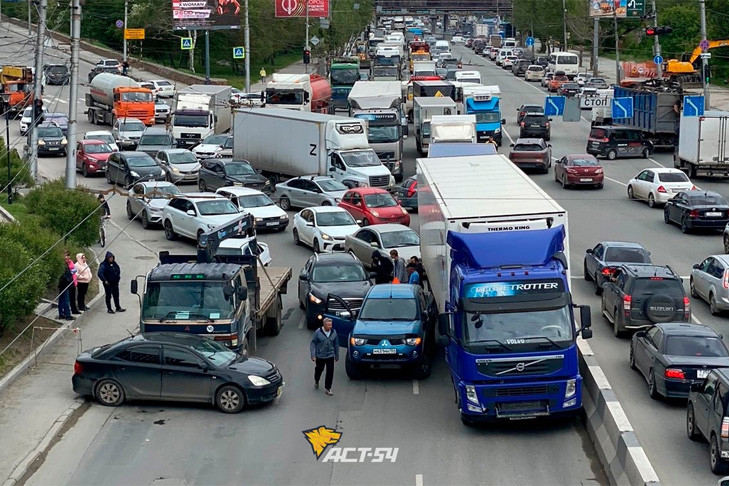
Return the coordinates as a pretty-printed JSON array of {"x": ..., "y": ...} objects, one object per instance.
[{"x": 395, "y": 280}]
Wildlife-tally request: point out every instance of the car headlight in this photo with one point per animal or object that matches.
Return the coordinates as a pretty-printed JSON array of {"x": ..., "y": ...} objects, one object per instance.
[
  {"x": 363, "y": 184},
  {"x": 134, "y": 174},
  {"x": 313, "y": 298},
  {"x": 258, "y": 220},
  {"x": 471, "y": 394},
  {"x": 403, "y": 210},
  {"x": 325, "y": 236},
  {"x": 284, "y": 216},
  {"x": 64, "y": 142},
  {"x": 413, "y": 341},
  {"x": 375, "y": 214},
  {"x": 175, "y": 169},
  {"x": 267, "y": 183},
  {"x": 152, "y": 209},
  {"x": 571, "y": 389},
  {"x": 92, "y": 159},
  {"x": 498, "y": 130},
  {"x": 41, "y": 141},
  {"x": 598, "y": 171},
  {"x": 258, "y": 380},
  {"x": 337, "y": 200},
  {"x": 357, "y": 341}
]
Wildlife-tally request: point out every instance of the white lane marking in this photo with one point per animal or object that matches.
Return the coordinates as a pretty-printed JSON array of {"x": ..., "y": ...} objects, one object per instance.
[
  {"x": 416, "y": 387},
  {"x": 511, "y": 140},
  {"x": 418, "y": 480},
  {"x": 696, "y": 319},
  {"x": 59, "y": 100},
  {"x": 580, "y": 277},
  {"x": 302, "y": 321},
  {"x": 656, "y": 162},
  {"x": 616, "y": 181}
]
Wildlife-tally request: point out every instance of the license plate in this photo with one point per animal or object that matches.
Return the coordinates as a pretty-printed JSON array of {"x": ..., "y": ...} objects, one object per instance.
[
  {"x": 384, "y": 351},
  {"x": 713, "y": 214},
  {"x": 701, "y": 374},
  {"x": 52, "y": 148},
  {"x": 534, "y": 126},
  {"x": 272, "y": 224},
  {"x": 585, "y": 180}
]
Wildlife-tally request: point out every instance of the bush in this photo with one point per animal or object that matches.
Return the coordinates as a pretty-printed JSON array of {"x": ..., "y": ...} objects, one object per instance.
[
  {"x": 21, "y": 297},
  {"x": 19, "y": 170},
  {"x": 35, "y": 240},
  {"x": 61, "y": 209}
]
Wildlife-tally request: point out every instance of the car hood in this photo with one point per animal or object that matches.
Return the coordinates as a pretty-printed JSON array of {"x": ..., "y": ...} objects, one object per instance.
[
  {"x": 186, "y": 167},
  {"x": 100, "y": 157},
  {"x": 339, "y": 231},
  {"x": 252, "y": 366},
  {"x": 388, "y": 211},
  {"x": 146, "y": 170},
  {"x": 336, "y": 194},
  {"x": 157, "y": 203},
  {"x": 247, "y": 179},
  {"x": 342, "y": 289},
  {"x": 151, "y": 148},
  {"x": 697, "y": 361},
  {"x": 207, "y": 148},
  {"x": 271, "y": 211},
  {"x": 380, "y": 328}
]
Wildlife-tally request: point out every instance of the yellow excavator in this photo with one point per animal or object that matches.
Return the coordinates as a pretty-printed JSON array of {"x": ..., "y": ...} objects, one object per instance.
[{"x": 684, "y": 71}]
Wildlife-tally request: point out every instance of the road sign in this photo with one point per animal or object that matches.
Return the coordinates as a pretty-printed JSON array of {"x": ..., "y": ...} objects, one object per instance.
[
  {"x": 636, "y": 8},
  {"x": 119, "y": 24},
  {"x": 704, "y": 44},
  {"x": 239, "y": 52},
  {"x": 693, "y": 106},
  {"x": 572, "y": 112},
  {"x": 705, "y": 55},
  {"x": 622, "y": 107},
  {"x": 134, "y": 34},
  {"x": 529, "y": 41},
  {"x": 186, "y": 43},
  {"x": 314, "y": 40},
  {"x": 554, "y": 105},
  {"x": 658, "y": 60}
]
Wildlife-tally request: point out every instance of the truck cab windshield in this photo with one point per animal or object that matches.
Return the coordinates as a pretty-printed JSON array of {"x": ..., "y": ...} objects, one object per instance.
[
  {"x": 382, "y": 71},
  {"x": 281, "y": 97},
  {"x": 365, "y": 158},
  {"x": 186, "y": 301},
  {"x": 380, "y": 134},
  {"x": 527, "y": 329},
  {"x": 487, "y": 117},
  {"x": 189, "y": 120},
  {"x": 137, "y": 96},
  {"x": 345, "y": 77}
]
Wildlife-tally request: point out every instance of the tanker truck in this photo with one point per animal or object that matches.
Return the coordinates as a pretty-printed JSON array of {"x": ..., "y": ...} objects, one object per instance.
[
  {"x": 112, "y": 96},
  {"x": 302, "y": 92}
]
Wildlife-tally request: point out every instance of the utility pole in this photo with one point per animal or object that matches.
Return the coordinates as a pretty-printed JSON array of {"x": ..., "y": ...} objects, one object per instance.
[
  {"x": 704, "y": 60},
  {"x": 207, "y": 57},
  {"x": 30, "y": 30},
  {"x": 656, "y": 42},
  {"x": 126, "y": 15},
  {"x": 37, "y": 84},
  {"x": 595, "y": 43},
  {"x": 248, "y": 51},
  {"x": 73, "y": 96},
  {"x": 617, "y": 49},
  {"x": 564, "y": 25},
  {"x": 306, "y": 44}
]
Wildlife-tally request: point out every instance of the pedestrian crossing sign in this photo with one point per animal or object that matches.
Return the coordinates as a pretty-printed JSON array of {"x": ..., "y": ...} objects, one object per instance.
[
  {"x": 239, "y": 53},
  {"x": 186, "y": 43}
]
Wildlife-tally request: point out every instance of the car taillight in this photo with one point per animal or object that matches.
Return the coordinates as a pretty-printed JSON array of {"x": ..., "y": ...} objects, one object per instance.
[
  {"x": 607, "y": 271},
  {"x": 411, "y": 190},
  {"x": 686, "y": 308},
  {"x": 522, "y": 113},
  {"x": 693, "y": 213},
  {"x": 725, "y": 283},
  {"x": 627, "y": 299},
  {"x": 725, "y": 428},
  {"x": 661, "y": 189},
  {"x": 522, "y": 124},
  {"x": 606, "y": 140},
  {"x": 675, "y": 373},
  {"x": 546, "y": 124},
  {"x": 77, "y": 368}
]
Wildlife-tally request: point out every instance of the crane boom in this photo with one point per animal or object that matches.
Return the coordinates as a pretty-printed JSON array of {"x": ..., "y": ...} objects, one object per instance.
[{"x": 712, "y": 45}]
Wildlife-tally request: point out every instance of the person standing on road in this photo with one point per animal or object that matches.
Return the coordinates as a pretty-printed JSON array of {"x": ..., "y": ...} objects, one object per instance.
[
  {"x": 83, "y": 278},
  {"x": 72, "y": 288},
  {"x": 125, "y": 68},
  {"x": 263, "y": 74},
  {"x": 383, "y": 268},
  {"x": 324, "y": 349},
  {"x": 398, "y": 264},
  {"x": 413, "y": 277},
  {"x": 422, "y": 277},
  {"x": 110, "y": 274},
  {"x": 65, "y": 281}
]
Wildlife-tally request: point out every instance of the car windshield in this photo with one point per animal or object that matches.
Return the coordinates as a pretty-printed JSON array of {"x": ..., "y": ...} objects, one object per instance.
[
  {"x": 707, "y": 200},
  {"x": 535, "y": 119},
  {"x": 215, "y": 140},
  {"x": 523, "y": 147},
  {"x": 381, "y": 200},
  {"x": 183, "y": 120},
  {"x": 238, "y": 168},
  {"x": 330, "y": 185},
  {"x": 492, "y": 117},
  {"x": 362, "y": 158},
  {"x": 627, "y": 255},
  {"x": 140, "y": 160},
  {"x": 382, "y": 71},
  {"x": 163, "y": 83},
  {"x": 49, "y": 132},
  {"x": 380, "y": 134},
  {"x": 137, "y": 96},
  {"x": 389, "y": 310},
  {"x": 215, "y": 352},
  {"x": 58, "y": 70},
  {"x": 161, "y": 192},
  {"x": 532, "y": 109},
  {"x": 181, "y": 158},
  {"x": 338, "y": 273},
  {"x": 254, "y": 201},
  {"x": 155, "y": 140},
  {"x": 397, "y": 239},
  {"x": 338, "y": 218},
  {"x": 517, "y": 327},
  {"x": 97, "y": 148},
  {"x": 659, "y": 286},
  {"x": 217, "y": 207},
  {"x": 672, "y": 177},
  {"x": 108, "y": 138},
  {"x": 186, "y": 300},
  {"x": 228, "y": 143},
  {"x": 704, "y": 346},
  {"x": 586, "y": 162},
  {"x": 60, "y": 119},
  {"x": 131, "y": 126}
]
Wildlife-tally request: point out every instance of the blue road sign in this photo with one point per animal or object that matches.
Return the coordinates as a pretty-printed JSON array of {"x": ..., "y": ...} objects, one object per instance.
[
  {"x": 622, "y": 107},
  {"x": 693, "y": 106},
  {"x": 239, "y": 52},
  {"x": 658, "y": 59},
  {"x": 529, "y": 41},
  {"x": 186, "y": 43},
  {"x": 554, "y": 105}
]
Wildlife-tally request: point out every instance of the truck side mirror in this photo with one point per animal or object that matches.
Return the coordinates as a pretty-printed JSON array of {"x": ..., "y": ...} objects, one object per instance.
[
  {"x": 134, "y": 287},
  {"x": 444, "y": 330},
  {"x": 586, "y": 333},
  {"x": 585, "y": 318},
  {"x": 306, "y": 97},
  {"x": 503, "y": 121},
  {"x": 228, "y": 291},
  {"x": 242, "y": 293}
]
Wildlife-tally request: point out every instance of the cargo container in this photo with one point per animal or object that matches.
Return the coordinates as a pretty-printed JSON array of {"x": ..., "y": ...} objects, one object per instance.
[
  {"x": 703, "y": 144},
  {"x": 653, "y": 113}
]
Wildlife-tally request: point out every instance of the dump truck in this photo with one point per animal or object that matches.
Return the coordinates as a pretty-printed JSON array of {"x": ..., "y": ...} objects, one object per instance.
[
  {"x": 113, "y": 96},
  {"x": 18, "y": 81}
]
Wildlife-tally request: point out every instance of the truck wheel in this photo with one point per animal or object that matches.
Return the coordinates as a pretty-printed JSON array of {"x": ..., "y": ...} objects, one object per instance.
[
  {"x": 273, "y": 322},
  {"x": 354, "y": 371},
  {"x": 467, "y": 420},
  {"x": 92, "y": 117}
]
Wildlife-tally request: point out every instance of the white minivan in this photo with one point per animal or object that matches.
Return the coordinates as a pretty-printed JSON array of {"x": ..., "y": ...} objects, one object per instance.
[
  {"x": 510, "y": 42},
  {"x": 503, "y": 54},
  {"x": 442, "y": 46},
  {"x": 566, "y": 62}
]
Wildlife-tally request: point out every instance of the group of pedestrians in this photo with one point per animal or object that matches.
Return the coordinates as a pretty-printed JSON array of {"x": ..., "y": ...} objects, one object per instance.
[
  {"x": 73, "y": 285},
  {"x": 395, "y": 270}
]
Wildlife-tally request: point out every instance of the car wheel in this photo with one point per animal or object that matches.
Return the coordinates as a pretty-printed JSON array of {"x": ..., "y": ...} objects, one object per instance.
[
  {"x": 145, "y": 220},
  {"x": 616, "y": 327},
  {"x": 354, "y": 371},
  {"x": 297, "y": 241},
  {"x": 229, "y": 399},
  {"x": 421, "y": 371},
  {"x": 646, "y": 153},
  {"x": 666, "y": 218},
  {"x": 284, "y": 203},
  {"x": 130, "y": 214},
  {"x": 631, "y": 194},
  {"x": 202, "y": 186},
  {"x": 169, "y": 231},
  {"x": 168, "y": 177},
  {"x": 713, "y": 308},
  {"x": 109, "y": 393},
  {"x": 691, "y": 430},
  {"x": 612, "y": 154},
  {"x": 84, "y": 170},
  {"x": 564, "y": 182},
  {"x": 128, "y": 181},
  {"x": 651, "y": 200},
  {"x": 598, "y": 285},
  {"x": 726, "y": 243},
  {"x": 108, "y": 176},
  {"x": 326, "y": 203},
  {"x": 365, "y": 222},
  {"x": 631, "y": 359},
  {"x": 692, "y": 288},
  {"x": 199, "y": 234},
  {"x": 718, "y": 466},
  {"x": 316, "y": 247},
  {"x": 684, "y": 225},
  {"x": 599, "y": 186},
  {"x": 585, "y": 273},
  {"x": 652, "y": 387}
]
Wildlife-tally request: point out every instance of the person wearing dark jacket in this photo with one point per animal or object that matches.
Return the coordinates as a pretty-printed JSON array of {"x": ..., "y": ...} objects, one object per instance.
[
  {"x": 110, "y": 274},
  {"x": 64, "y": 303},
  {"x": 324, "y": 349},
  {"x": 383, "y": 267}
]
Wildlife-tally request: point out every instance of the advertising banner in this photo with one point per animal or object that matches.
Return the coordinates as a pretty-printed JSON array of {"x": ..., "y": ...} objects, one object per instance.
[
  {"x": 297, "y": 8},
  {"x": 608, "y": 8},
  {"x": 206, "y": 14}
]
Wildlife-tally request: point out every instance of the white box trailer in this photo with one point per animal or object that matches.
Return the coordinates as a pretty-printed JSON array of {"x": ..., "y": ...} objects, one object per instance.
[
  {"x": 476, "y": 194},
  {"x": 703, "y": 144},
  {"x": 453, "y": 129}
]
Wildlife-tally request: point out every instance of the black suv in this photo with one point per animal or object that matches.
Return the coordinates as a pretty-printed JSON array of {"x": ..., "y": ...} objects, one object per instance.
[
  {"x": 56, "y": 74},
  {"x": 707, "y": 417},
  {"x": 640, "y": 295},
  {"x": 219, "y": 172},
  {"x": 535, "y": 125}
]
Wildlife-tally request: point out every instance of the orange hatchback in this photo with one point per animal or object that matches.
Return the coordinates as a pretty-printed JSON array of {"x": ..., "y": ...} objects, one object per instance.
[{"x": 557, "y": 81}]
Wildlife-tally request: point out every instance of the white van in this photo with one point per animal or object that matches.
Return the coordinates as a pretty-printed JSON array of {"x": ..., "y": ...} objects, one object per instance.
[
  {"x": 468, "y": 77},
  {"x": 503, "y": 54},
  {"x": 567, "y": 62},
  {"x": 510, "y": 42},
  {"x": 442, "y": 46}
]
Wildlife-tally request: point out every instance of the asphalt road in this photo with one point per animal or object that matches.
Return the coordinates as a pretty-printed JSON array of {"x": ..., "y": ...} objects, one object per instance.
[{"x": 147, "y": 443}]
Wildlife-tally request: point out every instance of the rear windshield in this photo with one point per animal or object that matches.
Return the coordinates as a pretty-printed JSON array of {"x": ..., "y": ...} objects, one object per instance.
[
  {"x": 627, "y": 255},
  {"x": 659, "y": 286},
  {"x": 570, "y": 86},
  {"x": 536, "y": 68},
  {"x": 709, "y": 347},
  {"x": 707, "y": 200},
  {"x": 598, "y": 133},
  {"x": 586, "y": 162},
  {"x": 523, "y": 147},
  {"x": 535, "y": 119},
  {"x": 672, "y": 177}
]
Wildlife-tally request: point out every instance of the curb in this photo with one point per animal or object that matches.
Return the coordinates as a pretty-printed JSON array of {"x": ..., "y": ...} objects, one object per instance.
[{"x": 617, "y": 445}]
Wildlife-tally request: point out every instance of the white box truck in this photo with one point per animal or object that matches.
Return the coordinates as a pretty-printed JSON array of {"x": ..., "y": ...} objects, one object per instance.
[
  {"x": 288, "y": 143},
  {"x": 453, "y": 129},
  {"x": 425, "y": 108},
  {"x": 702, "y": 144},
  {"x": 200, "y": 110}
]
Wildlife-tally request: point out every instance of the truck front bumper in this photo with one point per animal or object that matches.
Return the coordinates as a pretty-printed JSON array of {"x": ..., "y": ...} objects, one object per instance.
[{"x": 482, "y": 136}]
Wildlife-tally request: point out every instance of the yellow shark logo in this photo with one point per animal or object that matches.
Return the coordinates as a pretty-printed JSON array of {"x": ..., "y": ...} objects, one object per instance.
[{"x": 320, "y": 438}]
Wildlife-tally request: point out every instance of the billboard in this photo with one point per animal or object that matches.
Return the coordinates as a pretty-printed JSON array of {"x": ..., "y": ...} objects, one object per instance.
[
  {"x": 206, "y": 14},
  {"x": 297, "y": 8},
  {"x": 609, "y": 8}
]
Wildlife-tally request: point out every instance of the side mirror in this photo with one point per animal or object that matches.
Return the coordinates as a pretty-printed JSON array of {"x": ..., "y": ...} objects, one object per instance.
[
  {"x": 373, "y": 274},
  {"x": 242, "y": 293},
  {"x": 204, "y": 367},
  {"x": 190, "y": 212},
  {"x": 511, "y": 145},
  {"x": 695, "y": 266},
  {"x": 550, "y": 119},
  {"x": 134, "y": 287},
  {"x": 585, "y": 317},
  {"x": 586, "y": 333},
  {"x": 374, "y": 244},
  {"x": 589, "y": 251},
  {"x": 444, "y": 330},
  {"x": 303, "y": 277},
  {"x": 309, "y": 223},
  {"x": 503, "y": 121},
  {"x": 332, "y": 169},
  {"x": 640, "y": 334},
  {"x": 228, "y": 291},
  {"x": 359, "y": 222},
  {"x": 696, "y": 387}
]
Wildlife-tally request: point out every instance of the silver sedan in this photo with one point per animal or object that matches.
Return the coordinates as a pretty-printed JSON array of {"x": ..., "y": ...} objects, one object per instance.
[
  {"x": 308, "y": 191},
  {"x": 710, "y": 282},
  {"x": 382, "y": 237},
  {"x": 146, "y": 200}
]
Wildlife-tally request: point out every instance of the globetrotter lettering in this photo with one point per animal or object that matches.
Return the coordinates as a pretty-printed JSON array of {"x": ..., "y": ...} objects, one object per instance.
[{"x": 510, "y": 289}]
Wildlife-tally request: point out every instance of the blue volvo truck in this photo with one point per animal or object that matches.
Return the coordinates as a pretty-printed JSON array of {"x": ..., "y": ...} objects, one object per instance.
[
  {"x": 483, "y": 101},
  {"x": 495, "y": 253}
]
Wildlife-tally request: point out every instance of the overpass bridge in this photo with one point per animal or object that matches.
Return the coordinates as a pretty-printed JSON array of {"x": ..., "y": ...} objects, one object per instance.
[{"x": 441, "y": 7}]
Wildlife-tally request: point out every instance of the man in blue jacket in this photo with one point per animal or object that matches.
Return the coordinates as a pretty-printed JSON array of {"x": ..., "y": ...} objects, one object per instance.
[
  {"x": 324, "y": 348},
  {"x": 110, "y": 274}
]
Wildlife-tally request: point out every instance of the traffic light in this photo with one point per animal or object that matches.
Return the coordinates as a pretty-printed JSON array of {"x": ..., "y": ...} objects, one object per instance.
[
  {"x": 707, "y": 73},
  {"x": 307, "y": 56},
  {"x": 658, "y": 30}
]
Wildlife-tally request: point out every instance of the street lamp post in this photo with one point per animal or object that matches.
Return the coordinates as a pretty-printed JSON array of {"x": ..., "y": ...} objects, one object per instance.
[{"x": 6, "y": 109}]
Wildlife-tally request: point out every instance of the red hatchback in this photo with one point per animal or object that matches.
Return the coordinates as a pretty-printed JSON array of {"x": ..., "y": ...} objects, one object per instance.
[
  {"x": 579, "y": 170},
  {"x": 372, "y": 205},
  {"x": 91, "y": 156}
]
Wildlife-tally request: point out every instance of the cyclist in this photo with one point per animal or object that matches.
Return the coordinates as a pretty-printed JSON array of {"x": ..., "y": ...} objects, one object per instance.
[
  {"x": 105, "y": 211},
  {"x": 105, "y": 215}
]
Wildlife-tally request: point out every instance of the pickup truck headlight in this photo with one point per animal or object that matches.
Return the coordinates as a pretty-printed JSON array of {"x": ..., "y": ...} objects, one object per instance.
[
  {"x": 313, "y": 298},
  {"x": 357, "y": 341},
  {"x": 413, "y": 341},
  {"x": 258, "y": 380}
]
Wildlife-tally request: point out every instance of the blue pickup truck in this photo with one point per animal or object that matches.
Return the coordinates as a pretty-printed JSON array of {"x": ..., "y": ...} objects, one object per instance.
[{"x": 395, "y": 327}]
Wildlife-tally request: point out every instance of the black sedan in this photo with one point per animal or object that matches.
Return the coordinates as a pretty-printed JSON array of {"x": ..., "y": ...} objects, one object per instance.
[
  {"x": 602, "y": 260},
  {"x": 671, "y": 356},
  {"x": 697, "y": 209},
  {"x": 175, "y": 367},
  {"x": 569, "y": 90}
]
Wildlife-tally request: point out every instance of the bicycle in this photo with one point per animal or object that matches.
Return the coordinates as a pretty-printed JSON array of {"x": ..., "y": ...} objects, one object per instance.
[{"x": 102, "y": 230}]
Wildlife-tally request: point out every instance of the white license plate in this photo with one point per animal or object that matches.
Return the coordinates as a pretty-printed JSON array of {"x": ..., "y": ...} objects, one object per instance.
[
  {"x": 701, "y": 374},
  {"x": 271, "y": 224},
  {"x": 585, "y": 180},
  {"x": 713, "y": 214},
  {"x": 52, "y": 148},
  {"x": 384, "y": 351}
]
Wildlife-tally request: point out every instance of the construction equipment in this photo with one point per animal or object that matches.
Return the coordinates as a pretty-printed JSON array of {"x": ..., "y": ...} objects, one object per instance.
[
  {"x": 18, "y": 81},
  {"x": 684, "y": 71}
]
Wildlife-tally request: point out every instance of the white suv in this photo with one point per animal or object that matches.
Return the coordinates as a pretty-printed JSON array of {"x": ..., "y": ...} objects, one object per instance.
[
  {"x": 266, "y": 215},
  {"x": 196, "y": 213}
]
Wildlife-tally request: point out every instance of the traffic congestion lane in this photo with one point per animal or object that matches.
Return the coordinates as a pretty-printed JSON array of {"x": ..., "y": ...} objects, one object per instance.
[{"x": 608, "y": 214}]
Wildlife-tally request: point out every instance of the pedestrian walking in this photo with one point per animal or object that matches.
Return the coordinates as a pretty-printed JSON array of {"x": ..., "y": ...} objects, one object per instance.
[
  {"x": 65, "y": 281},
  {"x": 413, "y": 276},
  {"x": 398, "y": 264},
  {"x": 83, "y": 278},
  {"x": 383, "y": 268},
  {"x": 72, "y": 288},
  {"x": 262, "y": 72},
  {"x": 125, "y": 68},
  {"x": 324, "y": 349},
  {"x": 110, "y": 274}
]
